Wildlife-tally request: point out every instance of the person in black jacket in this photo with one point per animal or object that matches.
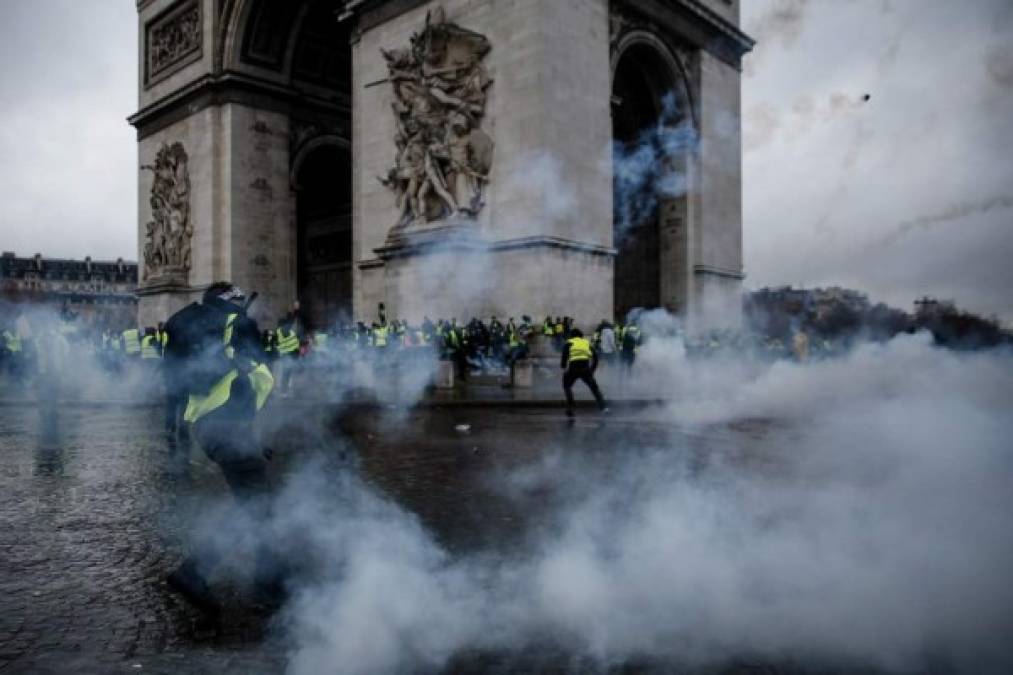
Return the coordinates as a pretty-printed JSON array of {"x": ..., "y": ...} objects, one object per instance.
[{"x": 215, "y": 352}]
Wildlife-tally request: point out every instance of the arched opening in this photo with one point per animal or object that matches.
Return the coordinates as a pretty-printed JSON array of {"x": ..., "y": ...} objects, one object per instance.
[
  {"x": 653, "y": 134},
  {"x": 302, "y": 53},
  {"x": 323, "y": 183}
]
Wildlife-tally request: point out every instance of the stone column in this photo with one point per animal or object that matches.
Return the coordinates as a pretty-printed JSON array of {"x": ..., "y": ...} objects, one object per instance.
[
  {"x": 240, "y": 210},
  {"x": 717, "y": 265}
]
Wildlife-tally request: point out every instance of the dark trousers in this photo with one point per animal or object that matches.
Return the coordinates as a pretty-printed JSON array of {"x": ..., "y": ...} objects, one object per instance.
[
  {"x": 230, "y": 443},
  {"x": 581, "y": 370},
  {"x": 177, "y": 432},
  {"x": 461, "y": 364}
]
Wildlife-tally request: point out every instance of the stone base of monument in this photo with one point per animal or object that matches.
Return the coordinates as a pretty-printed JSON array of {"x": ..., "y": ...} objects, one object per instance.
[
  {"x": 456, "y": 270},
  {"x": 161, "y": 296},
  {"x": 522, "y": 374},
  {"x": 445, "y": 375}
]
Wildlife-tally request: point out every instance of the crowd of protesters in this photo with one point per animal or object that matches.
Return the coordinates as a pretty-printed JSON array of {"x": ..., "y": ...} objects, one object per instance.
[{"x": 476, "y": 346}]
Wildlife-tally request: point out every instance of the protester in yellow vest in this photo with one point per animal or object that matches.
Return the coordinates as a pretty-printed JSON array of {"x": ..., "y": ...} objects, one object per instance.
[
  {"x": 215, "y": 349},
  {"x": 579, "y": 361},
  {"x": 151, "y": 346},
  {"x": 132, "y": 342}
]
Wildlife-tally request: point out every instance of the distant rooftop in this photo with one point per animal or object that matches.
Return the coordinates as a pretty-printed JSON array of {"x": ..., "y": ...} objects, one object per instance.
[{"x": 66, "y": 269}]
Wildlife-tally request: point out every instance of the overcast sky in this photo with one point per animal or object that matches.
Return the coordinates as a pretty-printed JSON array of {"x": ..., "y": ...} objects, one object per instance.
[{"x": 908, "y": 193}]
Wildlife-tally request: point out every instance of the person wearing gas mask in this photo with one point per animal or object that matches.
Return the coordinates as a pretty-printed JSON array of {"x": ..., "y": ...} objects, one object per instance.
[{"x": 216, "y": 354}]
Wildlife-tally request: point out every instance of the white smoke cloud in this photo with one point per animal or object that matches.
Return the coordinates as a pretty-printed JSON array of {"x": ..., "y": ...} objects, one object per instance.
[{"x": 858, "y": 520}]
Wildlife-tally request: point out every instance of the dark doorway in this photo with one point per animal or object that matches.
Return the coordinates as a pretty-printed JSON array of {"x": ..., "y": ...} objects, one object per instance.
[
  {"x": 643, "y": 108},
  {"x": 324, "y": 205}
]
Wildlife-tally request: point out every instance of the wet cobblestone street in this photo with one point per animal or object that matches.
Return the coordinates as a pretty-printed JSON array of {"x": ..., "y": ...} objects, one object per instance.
[
  {"x": 92, "y": 511},
  {"x": 87, "y": 539}
]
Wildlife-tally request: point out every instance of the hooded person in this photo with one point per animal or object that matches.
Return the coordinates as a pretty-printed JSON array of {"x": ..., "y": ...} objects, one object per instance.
[{"x": 216, "y": 354}]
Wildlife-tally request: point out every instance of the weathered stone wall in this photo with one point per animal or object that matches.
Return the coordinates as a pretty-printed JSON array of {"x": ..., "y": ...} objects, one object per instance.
[
  {"x": 197, "y": 135},
  {"x": 261, "y": 216},
  {"x": 503, "y": 282},
  {"x": 718, "y": 232}
]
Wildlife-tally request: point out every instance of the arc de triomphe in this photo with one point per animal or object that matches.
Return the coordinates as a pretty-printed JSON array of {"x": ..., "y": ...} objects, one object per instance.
[{"x": 448, "y": 158}]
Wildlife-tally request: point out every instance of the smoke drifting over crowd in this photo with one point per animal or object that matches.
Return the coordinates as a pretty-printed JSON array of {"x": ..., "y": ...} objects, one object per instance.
[{"x": 865, "y": 528}]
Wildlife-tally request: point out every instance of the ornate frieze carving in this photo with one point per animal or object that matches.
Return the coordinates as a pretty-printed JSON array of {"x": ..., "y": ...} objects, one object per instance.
[
  {"x": 173, "y": 40},
  {"x": 168, "y": 233},
  {"x": 443, "y": 156}
]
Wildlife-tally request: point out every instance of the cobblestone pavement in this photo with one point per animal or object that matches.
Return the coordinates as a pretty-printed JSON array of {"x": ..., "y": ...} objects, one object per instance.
[
  {"x": 91, "y": 511},
  {"x": 87, "y": 537}
]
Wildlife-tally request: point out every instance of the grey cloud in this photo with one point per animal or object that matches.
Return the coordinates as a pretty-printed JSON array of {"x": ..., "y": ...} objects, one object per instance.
[
  {"x": 761, "y": 125},
  {"x": 899, "y": 196},
  {"x": 783, "y": 21},
  {"x": 999, "y": 65},
  {"x": 68, "y": 177}
]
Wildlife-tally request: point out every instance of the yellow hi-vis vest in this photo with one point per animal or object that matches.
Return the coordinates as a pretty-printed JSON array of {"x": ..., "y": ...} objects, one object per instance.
[
  {"x": 260, "y": 379},
  {"x": 380, "y": 336},
  {"x": 13, "y": 341},
  {"x": 150, "y": 348},
  {"x": 132, "y": 341},
  {"x": 288, "y": 342},
  {"x": 580, "y": 350}
]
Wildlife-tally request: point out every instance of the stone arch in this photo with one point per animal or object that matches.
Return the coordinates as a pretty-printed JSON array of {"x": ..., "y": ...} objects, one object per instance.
[
  {"x": 274, "y": 37},
  {"x": 322, "y": 185},
  {"x": 307, "y": 148},
  {"x": 654, "y": 131},
  {"x": 674, "y": 70}
]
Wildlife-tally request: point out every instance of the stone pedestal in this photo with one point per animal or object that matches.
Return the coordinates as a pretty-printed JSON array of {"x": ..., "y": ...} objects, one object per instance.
[
  {"x": 455, "y": 272},
  {"x": 522, "y": 375},
  {"x": 445, "y": 375},
  {"x": 162, "y": 296}
]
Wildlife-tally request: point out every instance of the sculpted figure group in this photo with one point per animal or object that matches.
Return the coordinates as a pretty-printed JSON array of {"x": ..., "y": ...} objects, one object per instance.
[
  {"x": 168, "y": 233},
  {"x": 443, "y": 156}
]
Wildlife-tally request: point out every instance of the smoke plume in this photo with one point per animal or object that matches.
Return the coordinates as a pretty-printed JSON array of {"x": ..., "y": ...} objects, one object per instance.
[{"x": 846, "y": 514}]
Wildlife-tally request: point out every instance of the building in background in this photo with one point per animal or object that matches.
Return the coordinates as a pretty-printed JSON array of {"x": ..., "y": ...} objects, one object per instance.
[
  {"x": 564, "y": 158},
  {"x": 99, "y": 293}
]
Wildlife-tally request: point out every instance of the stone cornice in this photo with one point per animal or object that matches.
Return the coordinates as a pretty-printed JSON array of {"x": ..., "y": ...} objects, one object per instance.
[
  {"x": 470, "y": 242},
  {"x": 693, "y": 23},
  {"x": 370, "y": 13},
  {"x": 726, "y": 27},
  {"x": 714, "y": 270},
  {"x": 691, "y": 19},
  {"x": 229, "y": 87}
]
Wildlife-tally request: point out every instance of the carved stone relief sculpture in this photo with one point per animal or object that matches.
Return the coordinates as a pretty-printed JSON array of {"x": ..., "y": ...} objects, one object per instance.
[
  {"x": 443, "y": 156},
  {"x": 168, "y": 234},
  {"x": 172, "y": 39}
]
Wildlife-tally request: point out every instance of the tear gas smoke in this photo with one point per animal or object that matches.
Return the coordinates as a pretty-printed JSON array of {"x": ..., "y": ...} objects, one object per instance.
[
  {"x": 652, "y": 166},
  {"x": 867, "y": 529},
  {"x": 62, "y": 351}
]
